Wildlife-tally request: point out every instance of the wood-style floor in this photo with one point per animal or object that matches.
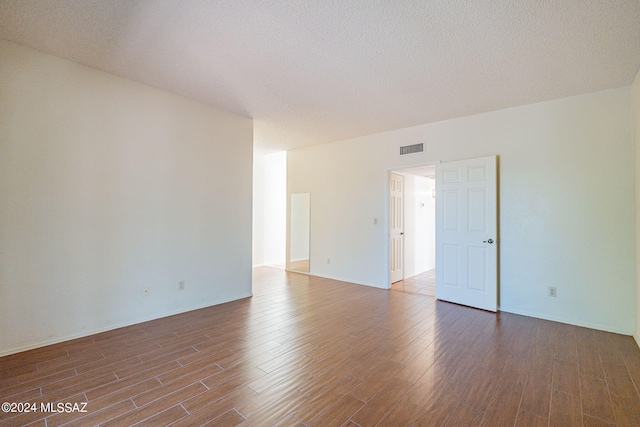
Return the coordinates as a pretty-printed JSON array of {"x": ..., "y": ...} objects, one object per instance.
[
  {"x": 423, "y": 283},
  {"x": 317, "y": 352}
]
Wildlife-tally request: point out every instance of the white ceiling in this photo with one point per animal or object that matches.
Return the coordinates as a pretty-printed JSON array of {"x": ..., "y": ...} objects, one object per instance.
[{"x": 312, "y": 71}]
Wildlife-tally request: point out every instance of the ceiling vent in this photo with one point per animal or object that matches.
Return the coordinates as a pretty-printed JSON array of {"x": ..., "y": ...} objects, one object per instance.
[{"x": 408, "y": 149}]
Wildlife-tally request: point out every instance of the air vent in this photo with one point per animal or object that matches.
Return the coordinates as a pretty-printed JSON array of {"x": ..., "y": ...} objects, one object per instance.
[{"x": 408, "y": 149}]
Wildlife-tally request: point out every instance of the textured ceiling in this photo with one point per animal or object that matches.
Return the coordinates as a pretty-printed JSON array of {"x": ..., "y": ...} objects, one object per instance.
[{"x": 312, "y": 71}]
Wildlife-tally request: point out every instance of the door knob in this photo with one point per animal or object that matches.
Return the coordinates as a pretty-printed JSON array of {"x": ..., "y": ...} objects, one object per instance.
[{"x": 488, "y": 241}]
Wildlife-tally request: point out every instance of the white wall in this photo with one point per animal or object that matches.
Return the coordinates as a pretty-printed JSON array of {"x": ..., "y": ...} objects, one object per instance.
[
  {"x": 108, "y": 186},
  {"x": 275, "y": 208},
  {"x": 269, "y": 209},
  {"x": 636, "y": 121},
  {"x": 257, "y": 234},
  {"x": 566, "y": 202},
  {"x": 419, "y": 224},
  {"x": 299, "y": 233}
]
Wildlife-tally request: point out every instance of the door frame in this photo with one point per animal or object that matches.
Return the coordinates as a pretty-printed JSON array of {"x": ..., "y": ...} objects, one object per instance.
[
  {"x": 388, "y": 227},
  {"x": 388, "y": 202}
]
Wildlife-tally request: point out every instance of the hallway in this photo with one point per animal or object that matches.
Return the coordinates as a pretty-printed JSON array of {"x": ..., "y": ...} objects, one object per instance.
[{"x": 423, "y": 283}]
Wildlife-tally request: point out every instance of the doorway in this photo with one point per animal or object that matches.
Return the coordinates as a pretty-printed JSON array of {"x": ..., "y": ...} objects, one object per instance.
[
  {"x": 416, "y": 257},
  {"x": 466, "y": 232}
]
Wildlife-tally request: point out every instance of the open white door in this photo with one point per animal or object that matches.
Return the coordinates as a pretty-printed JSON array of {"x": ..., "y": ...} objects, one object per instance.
[
  {"x": 466, "y": 233},
  {"x": 396, "y": 226}
]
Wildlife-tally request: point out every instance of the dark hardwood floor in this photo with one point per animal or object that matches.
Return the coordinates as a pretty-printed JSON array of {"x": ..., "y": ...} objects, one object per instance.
[{"x": 306, "y": 351}]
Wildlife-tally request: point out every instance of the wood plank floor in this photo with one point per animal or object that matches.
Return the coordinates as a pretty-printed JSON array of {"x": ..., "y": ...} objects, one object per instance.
[
  {"x": 307, "y": 351},
  {"x": 423, "y": 283}
]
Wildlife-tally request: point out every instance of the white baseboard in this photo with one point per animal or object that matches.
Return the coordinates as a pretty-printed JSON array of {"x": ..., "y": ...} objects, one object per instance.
[
  {"x": 339, "y": 279},
  {"x": 567, "y": 321},
  {"x": 266, "y": 264},
  {"x": 117, "y": 326}
]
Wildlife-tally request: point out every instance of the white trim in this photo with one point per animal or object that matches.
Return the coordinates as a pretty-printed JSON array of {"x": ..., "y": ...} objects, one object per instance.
[
  {"x": 306, "y": 273},
  {"x": 566, "y": 321},
  {"x": 339, "y": 279},
  {"x": 119, "y": 325}
]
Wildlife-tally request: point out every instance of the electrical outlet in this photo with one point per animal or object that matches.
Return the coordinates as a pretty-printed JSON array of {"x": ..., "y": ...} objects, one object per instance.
[
  {"x": 552, "y": 291},
  {"x": 181, "y": 285},
  {"x": 328, "y": 260},
  {"x": 147, "y": 291}
]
